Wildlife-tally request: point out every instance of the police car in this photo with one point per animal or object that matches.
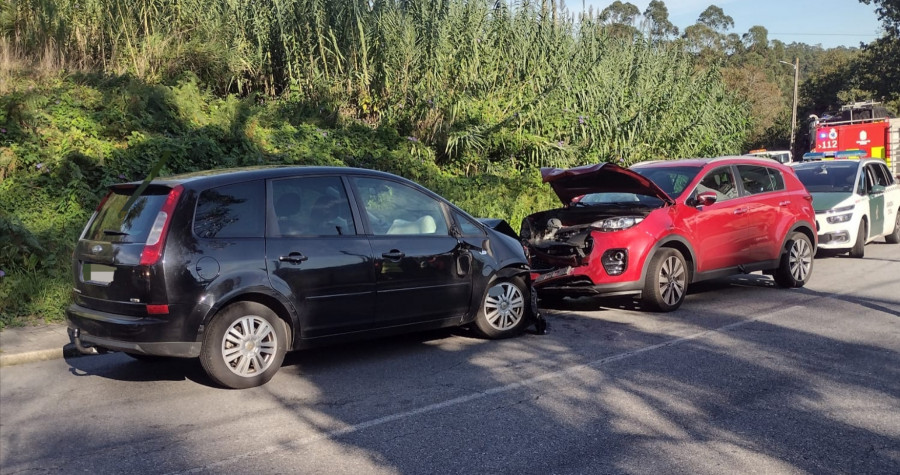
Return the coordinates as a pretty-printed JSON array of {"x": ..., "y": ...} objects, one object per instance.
[{"x": 856, "y": 201}]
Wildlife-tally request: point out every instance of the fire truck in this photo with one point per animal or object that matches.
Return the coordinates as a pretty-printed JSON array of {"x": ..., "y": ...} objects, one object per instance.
[{"x": 861, "y": 126}]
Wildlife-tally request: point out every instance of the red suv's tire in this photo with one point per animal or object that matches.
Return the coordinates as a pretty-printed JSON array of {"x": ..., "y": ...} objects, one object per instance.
[
  {"x": 667, "y": 281},
  {"x": 796, "y": 262}
]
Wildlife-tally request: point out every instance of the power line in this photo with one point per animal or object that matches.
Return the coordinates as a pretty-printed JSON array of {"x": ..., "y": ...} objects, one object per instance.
[{"x": 826, "y": 34}]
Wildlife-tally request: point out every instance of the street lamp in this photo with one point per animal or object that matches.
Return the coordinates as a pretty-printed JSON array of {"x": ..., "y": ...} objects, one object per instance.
[{"x": 796, "y": 66}]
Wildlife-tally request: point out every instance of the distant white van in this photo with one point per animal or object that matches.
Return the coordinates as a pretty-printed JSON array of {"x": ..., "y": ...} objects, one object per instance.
[{"x": 781, "y": 156}]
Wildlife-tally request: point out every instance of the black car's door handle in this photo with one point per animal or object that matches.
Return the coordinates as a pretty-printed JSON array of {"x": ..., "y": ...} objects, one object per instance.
[
  {"x": 394, "y": 255},
  {"x": 294, "y": 257}
]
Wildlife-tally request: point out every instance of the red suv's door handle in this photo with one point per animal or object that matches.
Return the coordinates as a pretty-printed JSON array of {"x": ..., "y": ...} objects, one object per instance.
[
  {"x": 294, "y": 257},
  {"x": 784, "y": 203},
  {"x": 741, "y": 210}
]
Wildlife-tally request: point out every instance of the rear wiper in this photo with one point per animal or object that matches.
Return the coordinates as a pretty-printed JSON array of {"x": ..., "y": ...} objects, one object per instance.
[{"x": 110, "y": 232}]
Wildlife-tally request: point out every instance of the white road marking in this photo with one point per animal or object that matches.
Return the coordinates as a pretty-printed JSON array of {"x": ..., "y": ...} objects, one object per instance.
[{"x": 333, "y": 434}]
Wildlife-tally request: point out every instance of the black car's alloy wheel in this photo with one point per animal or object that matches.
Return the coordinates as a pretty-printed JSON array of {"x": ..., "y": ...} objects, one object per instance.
[
  {"x": 503, "y": 309},
  {"x": 244, "y": 346}
]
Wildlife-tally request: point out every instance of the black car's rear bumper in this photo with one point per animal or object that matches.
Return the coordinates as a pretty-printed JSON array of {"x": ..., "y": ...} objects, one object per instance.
[{"x": 145, "y": 335}]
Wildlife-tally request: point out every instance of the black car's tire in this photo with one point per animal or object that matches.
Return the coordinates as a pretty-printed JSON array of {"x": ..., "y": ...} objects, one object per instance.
[
  {"x": 667, "y": 281},
  {"x": 504, "y": 309},
  {"x": 894, "y": 237},
  {"x": 859, "y": 247},
  {"x": 244, "y": 345},
  {"x": 796, "y": 262}
]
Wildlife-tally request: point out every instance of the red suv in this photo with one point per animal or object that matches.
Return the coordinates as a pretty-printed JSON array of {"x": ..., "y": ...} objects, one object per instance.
[{"x": 651, "y": 230}]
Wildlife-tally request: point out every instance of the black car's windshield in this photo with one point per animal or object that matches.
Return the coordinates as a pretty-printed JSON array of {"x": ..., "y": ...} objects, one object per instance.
[
  {"x": 115, "y": 223},
  {"x": 835, "y": 177},
  {"x": 672, "y": 180}
]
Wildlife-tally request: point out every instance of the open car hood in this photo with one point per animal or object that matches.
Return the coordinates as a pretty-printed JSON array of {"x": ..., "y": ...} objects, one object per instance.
[{"x": 571, "y": 183}]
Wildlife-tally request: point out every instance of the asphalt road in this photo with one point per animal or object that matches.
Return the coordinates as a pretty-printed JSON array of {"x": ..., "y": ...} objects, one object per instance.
[{"x": 744, "y": 378}]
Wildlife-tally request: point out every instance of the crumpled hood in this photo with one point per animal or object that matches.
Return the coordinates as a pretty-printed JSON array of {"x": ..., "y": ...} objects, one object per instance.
[{"x": 570, "y": 183}]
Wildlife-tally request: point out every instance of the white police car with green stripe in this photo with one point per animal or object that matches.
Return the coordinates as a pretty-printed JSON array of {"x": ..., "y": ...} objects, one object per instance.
[{"x": 856, "y": 202}]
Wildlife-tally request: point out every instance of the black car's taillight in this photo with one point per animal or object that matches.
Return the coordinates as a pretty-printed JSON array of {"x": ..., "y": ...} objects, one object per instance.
[{"x": 156, "y": 240}]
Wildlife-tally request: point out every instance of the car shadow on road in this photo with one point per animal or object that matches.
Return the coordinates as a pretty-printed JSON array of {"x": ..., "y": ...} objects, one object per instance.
[
  {"x": 591, "y": 303},
  {"x": 121, "y": 367},
  {"x": 602, "y": 392}
]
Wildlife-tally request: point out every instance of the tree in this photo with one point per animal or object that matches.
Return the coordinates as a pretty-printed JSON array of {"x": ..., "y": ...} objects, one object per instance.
[
  {"x": 880, "y": 62},
  {"x": 618, "y": 12},
  {"x": 619, "y": 18},
  {"x": 762, "y": 95},
  {"x": 889, "y": 14},
  {"x": 756, "y": 39},
  {"x": 708, "y": 37},
  {"x": 715, "y": 18},
  {"x": 658, "y": 23}
]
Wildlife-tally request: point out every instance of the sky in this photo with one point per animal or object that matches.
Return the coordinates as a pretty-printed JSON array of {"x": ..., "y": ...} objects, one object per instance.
[{"x": 829, "y": 23}]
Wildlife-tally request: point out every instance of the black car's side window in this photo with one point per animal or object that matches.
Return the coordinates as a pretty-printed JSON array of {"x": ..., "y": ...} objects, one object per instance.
[
  {"x": 232, "y": 211},
  {"x": 466, "y": 226},
  {"x": 310, "y": 206},
  {"x": 721, "y": 181},
  {"x": 397, "y": 209}
]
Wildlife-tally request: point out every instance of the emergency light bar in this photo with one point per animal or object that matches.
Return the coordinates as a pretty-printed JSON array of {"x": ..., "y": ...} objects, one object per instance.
[
  {"x": 850, "y": 154},
  {"x": 813, "y": 156}
]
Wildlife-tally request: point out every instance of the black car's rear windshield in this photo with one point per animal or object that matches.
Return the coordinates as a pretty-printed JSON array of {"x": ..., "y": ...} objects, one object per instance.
[
  {"x": 114, "y": 223},
  {"x": 819, "y": 177},
  {"x": 672, "y": 180}
]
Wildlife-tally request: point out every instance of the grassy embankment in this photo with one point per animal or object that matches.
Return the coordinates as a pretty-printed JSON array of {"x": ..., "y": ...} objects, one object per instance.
[{"x": 468, "y": 100}]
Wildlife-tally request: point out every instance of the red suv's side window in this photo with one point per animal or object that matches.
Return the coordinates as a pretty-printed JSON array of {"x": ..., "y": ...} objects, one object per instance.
[
  {"x": 721, "y": 181},
  {"x": 759, "y": 179}
]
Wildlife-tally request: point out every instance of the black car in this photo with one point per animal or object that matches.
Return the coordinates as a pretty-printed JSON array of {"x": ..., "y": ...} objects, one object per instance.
[{"x": 239, "y": 266}]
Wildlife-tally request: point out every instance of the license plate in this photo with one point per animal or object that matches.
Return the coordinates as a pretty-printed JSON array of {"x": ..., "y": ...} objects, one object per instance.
[
  {"x": 97, "y": 273},
  {"x": 553, "y": 274}
]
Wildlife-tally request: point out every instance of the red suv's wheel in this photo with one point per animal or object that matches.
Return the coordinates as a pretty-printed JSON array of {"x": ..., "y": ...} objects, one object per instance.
[
  {"x": 796, "y": 262},
  {"x": 667, "y": 281}
]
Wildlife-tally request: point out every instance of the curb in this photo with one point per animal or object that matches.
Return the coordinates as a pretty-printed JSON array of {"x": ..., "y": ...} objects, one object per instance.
[{"x": 67, "y": 351}]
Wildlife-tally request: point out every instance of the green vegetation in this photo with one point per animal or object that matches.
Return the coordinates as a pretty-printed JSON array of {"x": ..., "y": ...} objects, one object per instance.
[{"x": 468, "y": 97}]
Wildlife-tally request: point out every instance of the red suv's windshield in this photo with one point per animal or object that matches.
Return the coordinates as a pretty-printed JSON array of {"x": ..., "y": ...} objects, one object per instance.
[{"x": 672, "y": 180}]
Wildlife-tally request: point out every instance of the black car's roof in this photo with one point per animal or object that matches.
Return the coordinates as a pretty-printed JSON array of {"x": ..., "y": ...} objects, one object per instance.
[{"x": 223, "y": 176}]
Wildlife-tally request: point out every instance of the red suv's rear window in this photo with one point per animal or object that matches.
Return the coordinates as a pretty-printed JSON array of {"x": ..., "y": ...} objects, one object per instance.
[{"x": 116, "y": 224}]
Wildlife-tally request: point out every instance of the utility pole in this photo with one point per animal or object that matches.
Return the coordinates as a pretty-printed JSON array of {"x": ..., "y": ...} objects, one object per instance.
[{"x": 796, "y": 66}]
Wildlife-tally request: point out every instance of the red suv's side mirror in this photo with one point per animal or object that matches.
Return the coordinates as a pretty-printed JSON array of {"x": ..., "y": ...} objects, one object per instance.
[{"x": 706, "y": 198}]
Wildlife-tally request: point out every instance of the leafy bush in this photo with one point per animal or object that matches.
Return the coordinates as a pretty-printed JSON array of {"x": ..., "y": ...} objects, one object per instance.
[{"x": 467, "y": 97}]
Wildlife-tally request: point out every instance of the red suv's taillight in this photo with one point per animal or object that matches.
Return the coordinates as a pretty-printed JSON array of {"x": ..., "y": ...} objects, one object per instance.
[{"x": 157, "y": 238}]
